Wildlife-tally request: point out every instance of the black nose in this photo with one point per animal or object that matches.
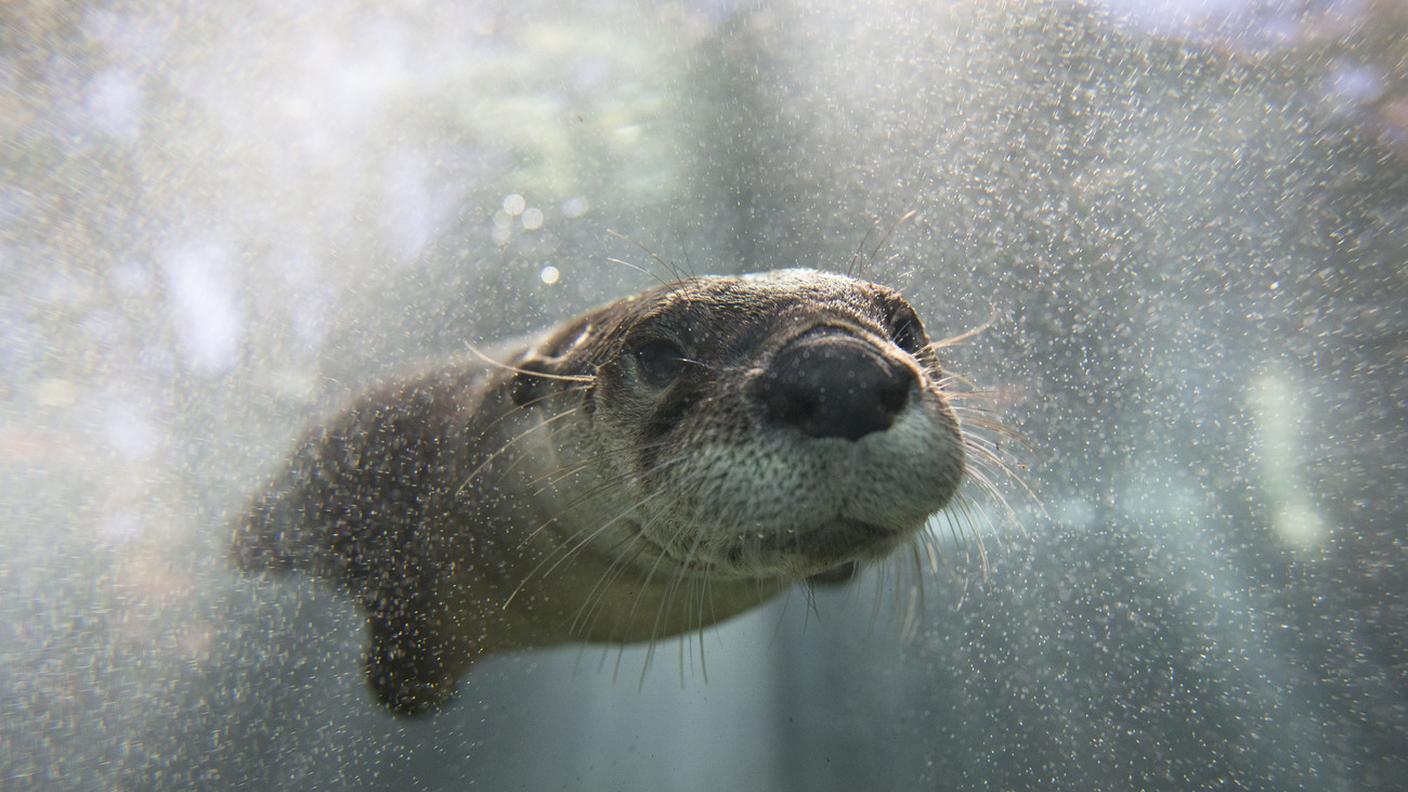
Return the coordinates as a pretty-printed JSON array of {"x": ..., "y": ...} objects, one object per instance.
[{"x": 829, "y": 383}]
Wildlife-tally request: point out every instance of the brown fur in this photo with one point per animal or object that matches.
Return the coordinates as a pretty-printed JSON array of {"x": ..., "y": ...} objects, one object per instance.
[{"x": 471, "y": 508}]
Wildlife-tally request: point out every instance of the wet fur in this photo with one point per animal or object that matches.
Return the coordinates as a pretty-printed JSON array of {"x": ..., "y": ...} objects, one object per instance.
[{"x": 471, "y": 508}]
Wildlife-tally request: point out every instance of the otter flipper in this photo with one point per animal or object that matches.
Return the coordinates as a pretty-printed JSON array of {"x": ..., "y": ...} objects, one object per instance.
[
  {"x": 405, "y": 660},
  {"x": 282, "y": 529},
  {"x": 363, "y": 504}
]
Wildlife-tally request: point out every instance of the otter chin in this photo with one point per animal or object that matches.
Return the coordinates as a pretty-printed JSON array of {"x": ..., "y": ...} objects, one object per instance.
[{"x": 653, "y": 466}]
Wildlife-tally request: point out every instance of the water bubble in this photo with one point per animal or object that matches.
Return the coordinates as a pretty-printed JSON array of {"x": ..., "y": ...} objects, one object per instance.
[
  {"x": 550, "y": 275},
  {"x": 533, "y": 219},
  {"x": 514, "y": 204}
]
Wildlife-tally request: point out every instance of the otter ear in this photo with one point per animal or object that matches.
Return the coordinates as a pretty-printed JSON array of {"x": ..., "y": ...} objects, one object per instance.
[
  {"x": 556, "y": 355},
  {"x": 527, "y": 386}
]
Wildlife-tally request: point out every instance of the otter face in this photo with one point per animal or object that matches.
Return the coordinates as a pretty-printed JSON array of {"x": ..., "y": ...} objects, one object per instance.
[{"x": 774, "y": 425}]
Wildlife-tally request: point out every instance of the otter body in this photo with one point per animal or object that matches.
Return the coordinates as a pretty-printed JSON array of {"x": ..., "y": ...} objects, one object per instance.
[{"x": 651, "y": 467}]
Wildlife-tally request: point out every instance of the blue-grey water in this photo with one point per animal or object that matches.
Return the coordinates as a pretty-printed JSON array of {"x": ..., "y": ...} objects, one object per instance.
[{"x": 1188, "y": 223}]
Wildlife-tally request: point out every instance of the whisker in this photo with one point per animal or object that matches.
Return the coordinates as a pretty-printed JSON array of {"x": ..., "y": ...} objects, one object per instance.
[
  {"x": 557, "y": 474},
  {"x": 619, "y": 562},
  {"x": 904, "y": 218},
  {"x": 951, "y": 377},
  {"x": 974, "y": 418},
  {"x": 932, "y": 551},
  {"x": 594, "y": 613},
  {"x": 987, "y": 456},
  {"x": 699, "y": 363},
  {"x": 956, "y": 530},
  {"x": 809, "y": 589},
  {"x": 966, "y": 335},
  {"x": 977, "y": 475},
  {"x": 596, "y": 532},
  {"x": 593, "y": 534},
  {"x": 665, "y": 604},
  {"x": 671, "y": 268},
  {"x": 914, "y": 610},
  {"x": 605, "y": 486},
  {"x": 963, "y": 505},
  {"x": 636, "y": 604},
  {"x": 501, "y": 450},
  {"x": 641, "y": 270},
  {"x": 781, "y": 615},
  {"x": 681, "y": 644},
  {"x": 704, "y": 596},
  {"x": 664, "y": 547},
  {"x": 645, "y": 585},
  {"x": 528, "y": 372},
  {"x": 855, "y": 257},
  {"x": 897, "y": 590},
  {"x": 688, "y": 264},
  {"x": 918, "y": 571},
  {"x": 879, "y": 598},
  {"x": 530, "y": 404}
]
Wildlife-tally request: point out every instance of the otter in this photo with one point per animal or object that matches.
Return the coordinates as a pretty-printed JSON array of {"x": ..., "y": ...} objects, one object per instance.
[{"x": 651, "y": 467}]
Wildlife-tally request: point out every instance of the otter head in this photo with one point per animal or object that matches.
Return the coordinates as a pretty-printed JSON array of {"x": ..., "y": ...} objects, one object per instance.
[{"x": 785, "y": 424}]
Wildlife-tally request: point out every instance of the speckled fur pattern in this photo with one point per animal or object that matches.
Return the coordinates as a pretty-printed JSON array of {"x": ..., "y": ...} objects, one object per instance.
[{"x": 560, "y": 495}]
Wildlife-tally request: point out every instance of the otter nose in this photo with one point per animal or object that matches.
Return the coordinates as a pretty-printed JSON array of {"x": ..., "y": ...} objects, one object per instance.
[{"x": 828, "y": 383}]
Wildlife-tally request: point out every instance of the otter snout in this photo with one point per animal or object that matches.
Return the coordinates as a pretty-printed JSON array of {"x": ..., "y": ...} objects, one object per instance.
[{"x": 830, "y": 383}]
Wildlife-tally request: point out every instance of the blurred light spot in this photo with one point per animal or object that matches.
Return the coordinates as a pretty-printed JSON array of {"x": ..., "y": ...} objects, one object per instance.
[
  {"x": 295, "y": 384},
  {"x": 1356, "y": 83},
  {"x": 1351, "y": 87},
  {"x": 533, "y": 219},
  {"x": 628, "y": 133},
  {"x": 574, "y": 207},
  {"x": 550, "y": 275},
  {"x": 119, "y": 527},
  {"x": 55, "y": 393},
  {"x": 204, "y": 307},
  {"x": 1279, "y": 426},
  {"x": 311, "y": 294},
  {"x": 1300, "y": 525},
  {"x": 484, "y": 25},
  {"x": 130, "y": 279},
  {"x": 412, "y": 210},
  {"x": 113, "y": 101},
  {"x": 196, "y": 643},
  {"x": 130, "y": 39},
  {"x": 514, "y": 204},
  {"x": 1180, "y": 16},
  {"x": 15, "y": 204},
  {"x": 129, "y": 432}
]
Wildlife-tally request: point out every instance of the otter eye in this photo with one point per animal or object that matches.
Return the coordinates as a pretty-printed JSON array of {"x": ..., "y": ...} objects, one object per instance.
[
  {"x": 907, "y": 333},
  {"x": 659, "y": 361}
]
